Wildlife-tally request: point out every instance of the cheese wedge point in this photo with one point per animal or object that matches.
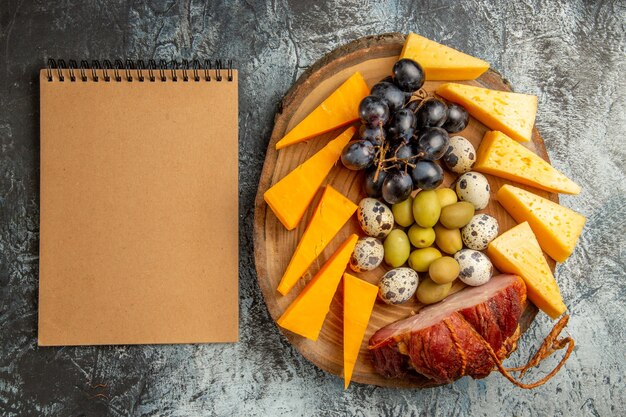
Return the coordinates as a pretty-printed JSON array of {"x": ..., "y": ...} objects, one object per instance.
[
  {"x": 339, "y": 109},
  {"x": 517, "y": 251},
  {"x": 557, "y": 228},
  {"x": 290, "y": 197},
  {"x": 441, "y": 62},
  {"x": 501, "y": 156},
  {"x": 511, "y": 113},
  {"x": 359, "y": 298},
  {"x": 306, "y": 314},
  {"x": 331, "y": 213}
]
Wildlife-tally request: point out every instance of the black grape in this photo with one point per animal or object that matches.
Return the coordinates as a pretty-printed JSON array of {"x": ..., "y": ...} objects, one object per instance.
[
  {"x": 373, "y": 111},
  {"x": 432, "y": 112},
  {"x": 393, "y": 96},
  {"x": 375, "y": 135},
  {"x": 397, "y": 187},
  {"x": 457, "y": 119},
  {"x": 358, "y": 155},
  {"x": 374, "y": 188},
  {"x": 413, "y": 105},
  {"x": 433, "y": 143},
  {"x": 402, "y": 151},
  {"x": 402, "y": 126},
  {"x": 427, "y": 175},
  {"x": 408, "y": 75}
]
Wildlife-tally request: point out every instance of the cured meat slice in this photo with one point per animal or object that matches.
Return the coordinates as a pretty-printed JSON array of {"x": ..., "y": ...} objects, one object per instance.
[{"x": 446, "y": 341}]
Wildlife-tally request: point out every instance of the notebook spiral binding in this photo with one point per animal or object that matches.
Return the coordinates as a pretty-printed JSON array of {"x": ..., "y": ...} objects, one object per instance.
[{"x": 137, "y": 70}]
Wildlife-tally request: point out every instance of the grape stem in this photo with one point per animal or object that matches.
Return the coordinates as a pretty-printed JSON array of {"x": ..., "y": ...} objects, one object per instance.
[
  {"x": 408, "y": 162},
  {"x": 381, "y": 150},
  {"x": 394, "y": 161},
  {"x": 420, "y": 95}
]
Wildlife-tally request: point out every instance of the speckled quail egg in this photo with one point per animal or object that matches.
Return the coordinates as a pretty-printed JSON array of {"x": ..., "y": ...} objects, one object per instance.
[
  {"x": 398, "y": 285},
  {"x": 375, "y": 218},
  {"x": 476, "y": 267},
  {"x": 473, "y": 187},
  {"x": 481, "y": 230},
  {"x": 460, "y": 155},
  {"x": 367, "y": 255}
]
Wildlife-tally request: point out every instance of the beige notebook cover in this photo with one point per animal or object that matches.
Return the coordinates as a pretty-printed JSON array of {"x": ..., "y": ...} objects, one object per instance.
[{"x": 139, "y": 211}]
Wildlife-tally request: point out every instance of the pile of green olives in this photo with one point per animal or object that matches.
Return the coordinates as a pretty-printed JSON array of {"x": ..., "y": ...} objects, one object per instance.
[
  {"x": 428, "y": 237},
  {"x": 420, "y": 235}
]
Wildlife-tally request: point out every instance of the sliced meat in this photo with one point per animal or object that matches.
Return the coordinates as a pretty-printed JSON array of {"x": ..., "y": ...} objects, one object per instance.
[
  {"x": 390, "y": 363},
  {"x": 448, "y": 349},
  {"x": 444, "y": 341},
  {"x": 497, "y": 318}
]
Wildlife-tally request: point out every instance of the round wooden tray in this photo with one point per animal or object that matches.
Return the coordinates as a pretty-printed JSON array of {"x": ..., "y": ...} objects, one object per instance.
[{"x": 374, "y": 57}]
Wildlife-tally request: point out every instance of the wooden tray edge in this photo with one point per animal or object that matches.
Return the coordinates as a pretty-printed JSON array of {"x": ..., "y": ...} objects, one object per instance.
[{"x": 312, "y": 77}]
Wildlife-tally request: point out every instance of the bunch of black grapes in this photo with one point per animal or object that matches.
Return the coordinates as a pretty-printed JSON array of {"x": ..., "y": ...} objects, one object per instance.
[{"x": 403, "y": 132}]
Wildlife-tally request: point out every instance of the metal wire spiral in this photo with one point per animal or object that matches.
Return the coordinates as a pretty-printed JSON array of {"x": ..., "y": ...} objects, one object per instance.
[{"x": 130, "y": 70}]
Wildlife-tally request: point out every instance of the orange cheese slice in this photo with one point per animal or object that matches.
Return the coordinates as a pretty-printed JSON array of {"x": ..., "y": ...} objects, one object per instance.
[
  {"x": 339, "y": 109},
  {"x": 332, "y": 212},
  {"x": 306, "y": 314},
  {"x": 501, "y": 156},
  {"x": 557, "y": 228},
  {"x": 359, "y": 298},
  {"x": 441, "y": 62},
  {"x": 511, "y": 113},
  {"x": 290, "y": 197},
  {"x": 517, "y": 252}
]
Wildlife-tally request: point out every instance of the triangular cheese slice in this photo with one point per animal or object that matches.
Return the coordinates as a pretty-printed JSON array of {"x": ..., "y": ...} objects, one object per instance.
[
  {"x": 359, "y": 298},
  {"x": 339, "y": 109},
  {"x": 290, "y": 197},
  {"x": 306, "y": 314},
  {"x": 517, "y": 251},
  {"x": 441, "y": 62},
  {"x": 511, "y": 113},
  {"x": 332, "y": 212},
  {"x": 557, "y": 228},
  {"x": 501, "y": 156}
]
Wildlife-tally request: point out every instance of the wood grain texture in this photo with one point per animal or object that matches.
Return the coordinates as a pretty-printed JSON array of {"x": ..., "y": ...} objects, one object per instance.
[{"x": 373, "y": 56}]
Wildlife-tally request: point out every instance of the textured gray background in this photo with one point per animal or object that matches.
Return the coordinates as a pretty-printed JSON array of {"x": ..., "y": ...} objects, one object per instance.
[{"x": 569, "y": 53}]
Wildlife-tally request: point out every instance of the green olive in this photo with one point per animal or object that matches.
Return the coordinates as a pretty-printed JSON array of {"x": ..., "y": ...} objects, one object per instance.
[
  {"x": 457, "y": 215},
  {"x": 444, "y": 270},
  {"x": 397, "y": 248},
  {"x": 448, "y": 240},
  {"x": 403, "y": 212},
  {"x": 429, "y": 292},
  {"x": 421, "y": 259},
  {"x": 446, "y": 196},
  {"x": 426, "y": 208},
  {"x": 421, "y": 237}
]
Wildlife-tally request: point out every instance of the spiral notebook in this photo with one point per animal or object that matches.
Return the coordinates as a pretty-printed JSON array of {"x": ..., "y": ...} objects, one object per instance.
[{"x": 139, "y": 210}]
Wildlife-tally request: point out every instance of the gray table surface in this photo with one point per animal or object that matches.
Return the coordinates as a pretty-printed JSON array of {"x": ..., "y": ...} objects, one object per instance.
[{"x": 569, "y": 53}]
